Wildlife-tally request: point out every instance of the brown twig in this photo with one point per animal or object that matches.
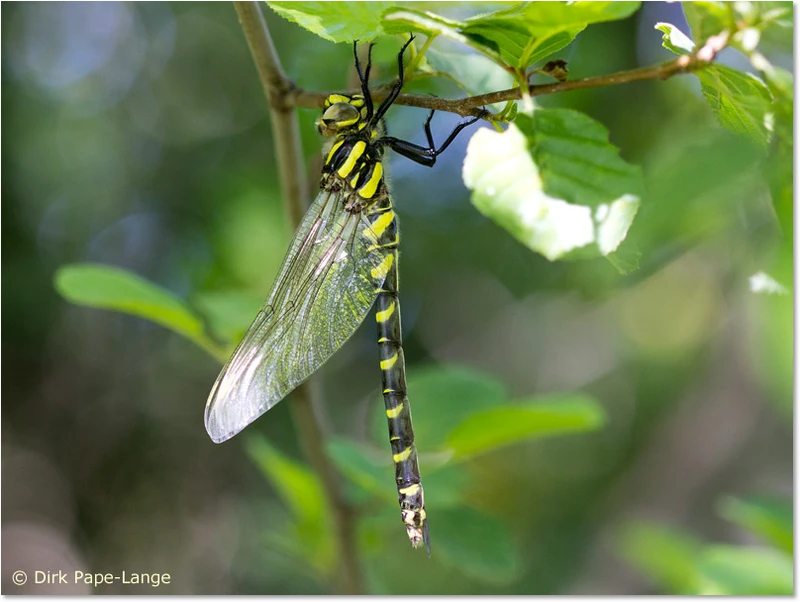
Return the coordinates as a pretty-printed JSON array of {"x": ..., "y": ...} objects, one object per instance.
[
  {"x": 286, "y": 134},
  {"x": 471, "y": 106}
]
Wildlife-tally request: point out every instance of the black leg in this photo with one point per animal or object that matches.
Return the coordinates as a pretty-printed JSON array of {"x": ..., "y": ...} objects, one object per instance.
[
  {"x": 428, "y": 134},
  {"x": 420, "y": 154},
  {"x": 364, "y": 77},
  {"x": 415, "y": 152},
  {"x": 395, "y": 89}
]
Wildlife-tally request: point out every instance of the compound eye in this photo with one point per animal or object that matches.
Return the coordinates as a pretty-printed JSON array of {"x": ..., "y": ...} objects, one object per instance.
[{"x": 340, "y": 115}]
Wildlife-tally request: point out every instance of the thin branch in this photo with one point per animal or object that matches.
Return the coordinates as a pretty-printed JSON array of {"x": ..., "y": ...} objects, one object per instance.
[
  {"x": 286, "y": 134},
  {"x": 471, "y": 106},
  {"x": 277, "y": 88}
]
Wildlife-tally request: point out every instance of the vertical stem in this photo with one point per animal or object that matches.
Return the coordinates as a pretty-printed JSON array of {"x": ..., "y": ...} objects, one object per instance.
[{"x": 286, "y": 134}]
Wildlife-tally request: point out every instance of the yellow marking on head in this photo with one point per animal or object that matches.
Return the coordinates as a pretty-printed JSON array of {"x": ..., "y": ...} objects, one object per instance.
[
  {"x": 384, "y": 315},
  {"x": 355, "y": 154},
  {"x": 377, "y": 227},
  {"x": 346, "y": 122},
  {"x": 379, "y": 271},
  {"x": 403, "y": 455},
  {"x": 368, "y": 190},
  {"x": 395, "y": 412},
  {"x": 333, "y": 150},
  {"x": 410, "y": 490},
  {"x": 334, "y": 98},
  {"x": 357, "y": 101},
  {"x": 388, "y": 363}
]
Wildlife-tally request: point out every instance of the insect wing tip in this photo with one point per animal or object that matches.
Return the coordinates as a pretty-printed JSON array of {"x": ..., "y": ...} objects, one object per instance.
[{"x": 215, "y": 430}]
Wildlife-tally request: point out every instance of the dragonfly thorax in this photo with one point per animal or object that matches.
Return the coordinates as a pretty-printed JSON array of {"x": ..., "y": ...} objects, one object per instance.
[{"x": 353, "y": 166}]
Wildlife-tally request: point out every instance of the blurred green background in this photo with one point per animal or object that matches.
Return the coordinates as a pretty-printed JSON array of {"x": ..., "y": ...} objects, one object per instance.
[{"x": 136, "y": 135}]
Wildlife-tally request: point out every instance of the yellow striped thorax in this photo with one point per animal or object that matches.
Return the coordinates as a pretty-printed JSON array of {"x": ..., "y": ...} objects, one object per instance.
[{"x": 352, "y": 160}]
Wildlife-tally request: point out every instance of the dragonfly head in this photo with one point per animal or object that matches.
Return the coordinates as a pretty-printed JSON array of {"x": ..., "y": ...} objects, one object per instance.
[{"x": 342, "y": 114}]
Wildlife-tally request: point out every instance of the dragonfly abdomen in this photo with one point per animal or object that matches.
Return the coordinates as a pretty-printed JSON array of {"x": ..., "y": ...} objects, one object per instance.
[{"x": 395, "y": 397}]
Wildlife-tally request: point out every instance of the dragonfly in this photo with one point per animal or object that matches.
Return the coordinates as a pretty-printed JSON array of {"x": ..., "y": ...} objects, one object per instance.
[{"x": 342, "y": 260}]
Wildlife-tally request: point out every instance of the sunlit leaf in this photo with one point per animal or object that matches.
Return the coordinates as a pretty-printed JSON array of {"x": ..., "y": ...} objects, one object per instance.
[
  {"x": 490, "y": 429},
  {"x": 771, "y": 519},
  {"x": 763, "y": 283},
  {"x": 336, "y": 21},
  {"x": 674, "y": 39},
  {"x": 404, "y": 19},
  {"x": 517, "y": 36},
  {"x": 479, "y": 546},
  {"x": 107, "y": 287},
  {"x": 739, "y": 571},
  {"x": 666, "y": 555},
  {"x": 555, "y": 183},
  {"x": 527, "y": 33}
]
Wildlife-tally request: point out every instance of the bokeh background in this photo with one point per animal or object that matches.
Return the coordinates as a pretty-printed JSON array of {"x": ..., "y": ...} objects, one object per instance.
[{"x": 136, "y": 135}]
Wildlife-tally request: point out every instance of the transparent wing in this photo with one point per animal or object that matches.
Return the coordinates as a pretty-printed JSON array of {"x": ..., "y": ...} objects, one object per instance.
[{"x": 326, "y": 286}]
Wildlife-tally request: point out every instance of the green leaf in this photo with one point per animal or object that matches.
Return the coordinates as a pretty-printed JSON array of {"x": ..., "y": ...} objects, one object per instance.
[
  {"x": 674, "y": 39},
  {"x": 626, "y": 258},
  {"x": 303, "y": 494},
  {"x": 779, "y": 163},
  {"x": 776, "y": 24},
  {"x": 440, "y": 397},
  {"x": 771, "y": 519},
  {"x": 402, "y": 20},
  {"x": 371, "y": 469},
  {"x": 740, "y": 101},
  {"x": 228, "y": 313},
  {"x": 739, "y": 571},
  {"x": 479, "y": 546},
  {"x": 517, "y": 36},
  {"x": 366, "y": 467},
  {"x": 665, "y": 555},
  {"x": 107, "y": 287},
  {"x": 707, "y": 19},
  {"x": 530, "y": 32},
  {"x": 473, "y": 73},
  {"x": 543, "y": 416},
  {"x": 336, "y": 21},
  {"x": 555, "y": 183}
]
